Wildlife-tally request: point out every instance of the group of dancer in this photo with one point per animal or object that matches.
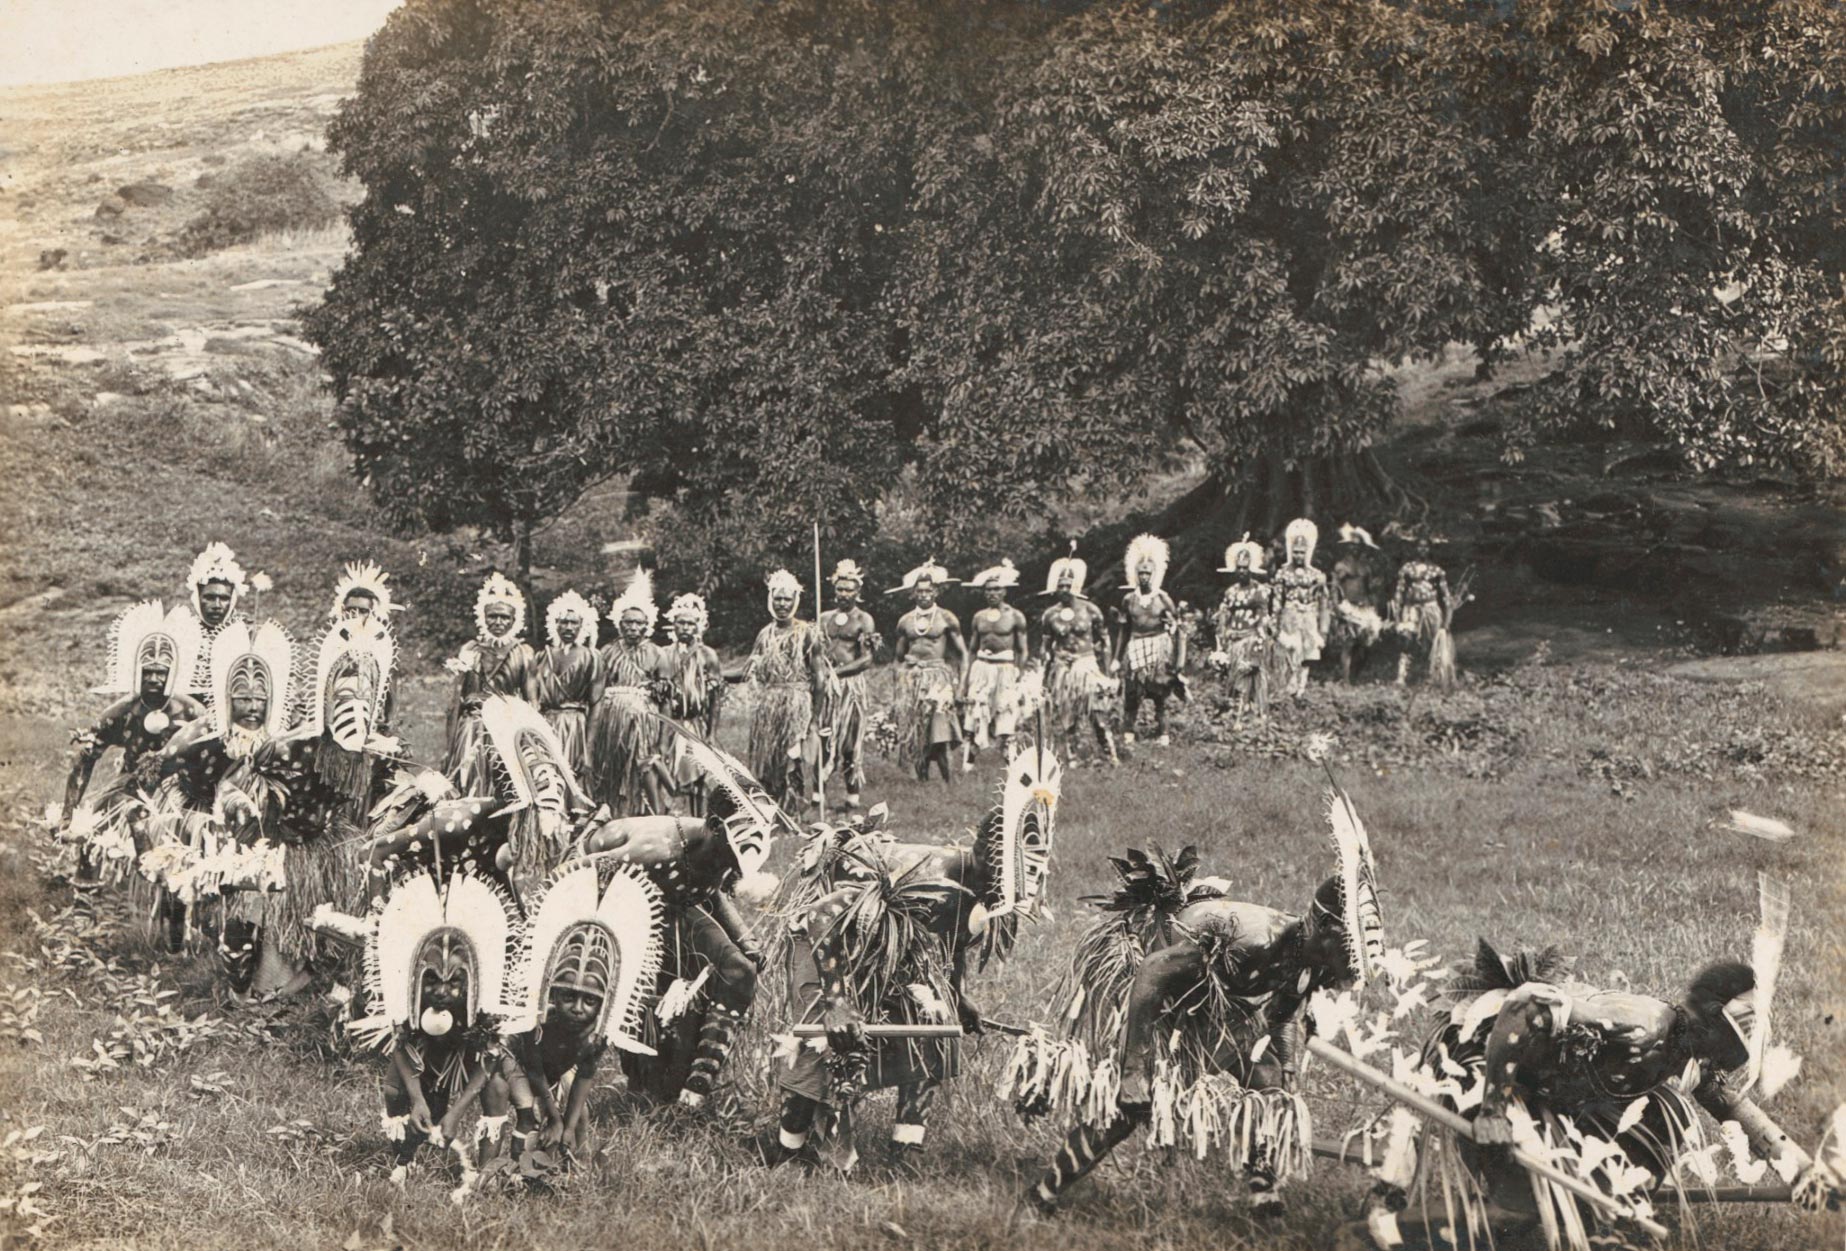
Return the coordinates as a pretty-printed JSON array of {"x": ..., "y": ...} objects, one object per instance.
[{"x": 587, "y": 869}]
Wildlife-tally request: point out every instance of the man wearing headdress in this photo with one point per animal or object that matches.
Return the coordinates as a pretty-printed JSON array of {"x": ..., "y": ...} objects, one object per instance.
[
  {"x": 884, "y": 933},
  {"x": 1301, "y": 603},
  {"x": 991, "y": 685},
  {"x": 216, "y": 584},
  {"x": 1558, "y": 1063},
  {"x": 311, "y": 792},
  {"x": 698, "y": 674},
  {"x": 1074, "y": 642},
  {"x": 625, "y": 721},
  {"x": 852, "y": 645},
  {"x": 930, "y": 657},
  {"x": 497, "y": 661},
  {"x": 364, "y": 591},
  {"x": 566, "y": 676},
  {"x": 794, "y": 690},
  {"x": 151, "y": 654},
  {"x": 1420, "y": 608},
  {"x": 1357, "y": 590},
  {"x": 1153, "y": 649},
  {"x": 1181, "y": 1009},
  {"x": 1244, "y": 630},
  {"x": 196, "y": 852}
]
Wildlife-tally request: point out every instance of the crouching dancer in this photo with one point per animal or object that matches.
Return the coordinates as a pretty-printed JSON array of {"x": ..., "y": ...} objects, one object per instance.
[
  {"x": 886, "y": 943},
  {"x": 1196, "y": 1041}
]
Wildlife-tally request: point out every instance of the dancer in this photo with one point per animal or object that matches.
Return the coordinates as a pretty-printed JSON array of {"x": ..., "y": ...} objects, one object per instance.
[
  {"x": 1152, "y": 650},
  {"x": 930, "y": 656},
  {"x": 1074, "y": 642},
  {"x": 794, "y": 688},
  {"x": 1301, "y": 604},
  {"x": 567, "y": 677},
  {"x": 497, "y": 661},
  {"x": 625, "y": 721},
  {"x": 1245, "y": 631},
  {"x": 852, "y": 646},
  {"x": 1421, "y": 608}
]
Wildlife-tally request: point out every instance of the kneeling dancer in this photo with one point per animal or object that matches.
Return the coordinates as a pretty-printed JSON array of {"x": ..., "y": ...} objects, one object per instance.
[
  {"x": 1196, "y": 1040},
  {"x": 887, "y": 943}
]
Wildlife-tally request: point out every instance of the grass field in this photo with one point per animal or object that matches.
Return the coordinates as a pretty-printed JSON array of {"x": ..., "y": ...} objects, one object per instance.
[{"x": 257, "y": 1135}]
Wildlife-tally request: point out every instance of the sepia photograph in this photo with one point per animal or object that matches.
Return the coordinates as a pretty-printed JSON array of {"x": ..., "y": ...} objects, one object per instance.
[{"x": 839, "y": 625}]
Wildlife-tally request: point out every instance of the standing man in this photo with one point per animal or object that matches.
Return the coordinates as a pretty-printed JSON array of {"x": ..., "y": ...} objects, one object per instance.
[
  {"x": 1357, "y": 591},
  {"x": 931, "y": 655},
  {"x": 363, "y": 591},
  {"x": 567, "y": 678},
  {"x": 496, "y": 661},
  {"x": 990, "y": 686},
  {"x": 1245, "y": 631},
  {"x": 698, "y": 677},
  {"x": 216, "y": 582},
  {"x": 1420, "y": 608},
  {"x": 1074, "y": 640},
  {"x": 1303, "y": 607},
  {"x": 624, "y": 726},
  {"x": 1153, "y": 651},
  {"x": 852, "y": 645},
  {"x": 794, "y": 693}
]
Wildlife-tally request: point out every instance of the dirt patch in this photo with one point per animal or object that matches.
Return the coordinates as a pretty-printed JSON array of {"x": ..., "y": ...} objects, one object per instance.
[{"x": 1815, "y": 678}]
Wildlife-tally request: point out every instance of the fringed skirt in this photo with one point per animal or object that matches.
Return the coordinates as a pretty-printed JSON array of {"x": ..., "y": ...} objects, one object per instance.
[
  {"x": 849, "y": 717},
  {"x": 993, "y": 700},
  {"x": 1298, "y": 632},
  {"x": 571, "y": 723},
  {"x": 925, "y": 710},
  {"x": 325, "y": 870},
  {"x": 1150, "y": 663},
  {"x": 778, "y": 734},
  {"x": 469, "y": 763},
  {"x": 621, "y": 738}
]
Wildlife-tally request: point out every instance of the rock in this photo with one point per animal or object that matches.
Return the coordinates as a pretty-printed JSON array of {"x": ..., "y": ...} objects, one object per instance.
[
  {"x": 205, "y": 180},
  {"x": 52, "y": 258},
  {"x": 144, "y": 194},
  {"x": 110, "y": 209},
  {"x": 106, "y": 237},
  {"x": 94, "y": 178}
]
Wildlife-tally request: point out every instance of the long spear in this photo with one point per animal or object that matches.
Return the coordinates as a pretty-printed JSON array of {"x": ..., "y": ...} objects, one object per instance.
[
  {"x": 1426, "y": 1107},
  {"x": 821, "y": 763}
]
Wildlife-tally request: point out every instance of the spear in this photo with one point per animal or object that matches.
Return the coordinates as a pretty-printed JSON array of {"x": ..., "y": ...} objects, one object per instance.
[
  {"x": 821, "y": 762},
  {"x": 1453, "y": 1121}
]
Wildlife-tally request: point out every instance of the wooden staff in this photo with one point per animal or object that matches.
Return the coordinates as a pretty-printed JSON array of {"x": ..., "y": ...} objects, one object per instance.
[
  {"x": 823, "y": 741},
  {"x": 1426, "y": 1107},
  {"x": 814, "y": 1029}
]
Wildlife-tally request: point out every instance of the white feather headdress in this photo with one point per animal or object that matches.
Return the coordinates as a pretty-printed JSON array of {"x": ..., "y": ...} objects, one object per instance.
[
  {"x": 1241, "y": 546},
  {"x": 1350, "y": 533},
  {"x": 1301, "y": 528},
  {"x": 516, "y": 729},
  {"x": 367, "y": 579},
  {"x": 569, "y": 604},
  {"x": 1028, "y": 814},
  {"x": 1079, "y": 572},
  {"x": 217, "y": 563},
  {"x": 142, "y": 633},
  {"x": 264, "y": 657},
  {"x": 614, "y": 925},
  {"x": 930, "y": 570},
  {"x": 639, "y": 597},
  {"x": 499, "y": 589},
  {"x": 1000, "y": 575},
  {"x": 420, "y": 907},
  {"x": 782, "y": 582},
  {"x": 363, "y": 644},
  {"x": 755, "y": 817},
  {"x": 689, "y": 607},
  {"x": 1146, "y": 550}
]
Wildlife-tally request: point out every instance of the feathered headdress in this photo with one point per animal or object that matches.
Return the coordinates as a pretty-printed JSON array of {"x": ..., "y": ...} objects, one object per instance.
[
  {"x": 357, "y": 655},
  {"x": 1363, "y": 918},
  {"x": 1301, "y": 529},
  {"x": 462, "y": 924},
  {"x": 1000, "y": 575},
  {"x": 533, "y": 777},
  {"x": 752, "y": 817},
  {"x": 1356, "y": 534},
  {"x": 638, "y": 597},
  {"x": 782, "y": 582},
  {"x": 1028, "y": 809},
  {"x": 1242, "y": 547},
  {"x": 929, "y": 571},
  {"x": 1147, "y": 550},
  {"x": 1079, "y": 571},
  {"x": 603, "y": 934},
  {"x": 367, "y": 579},
  {"x": 569, "y": 604},
  {"x": 500, "y": 589},
  {"x": 143, "y": 635},
  {"x": 847, "y": 571},
  {"x": 248, "y": 662},
  {"x": 689, "y": 607},
  {"x": 217, "y": 563}
]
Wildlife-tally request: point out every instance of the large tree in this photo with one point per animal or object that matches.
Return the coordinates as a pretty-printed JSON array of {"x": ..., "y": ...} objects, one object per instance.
[{"x": 763, "y": 258}]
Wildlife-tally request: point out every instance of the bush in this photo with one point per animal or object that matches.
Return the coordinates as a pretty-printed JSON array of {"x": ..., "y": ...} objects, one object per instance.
[{"x": 258, "y": 196}]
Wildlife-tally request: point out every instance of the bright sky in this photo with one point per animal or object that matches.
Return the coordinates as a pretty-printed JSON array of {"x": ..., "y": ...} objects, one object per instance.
[{"x": 48, "y": 41}]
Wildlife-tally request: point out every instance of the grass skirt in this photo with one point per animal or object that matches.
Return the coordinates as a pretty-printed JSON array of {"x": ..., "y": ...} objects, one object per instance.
[
  {"x": 925, "y": 710},
  {"x": 778, "y": 735},
  {"x": 622, "y": 740}
]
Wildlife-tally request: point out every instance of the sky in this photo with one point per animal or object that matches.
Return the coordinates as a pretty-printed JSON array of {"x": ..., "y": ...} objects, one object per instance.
[{"x": 48, "y": 41}]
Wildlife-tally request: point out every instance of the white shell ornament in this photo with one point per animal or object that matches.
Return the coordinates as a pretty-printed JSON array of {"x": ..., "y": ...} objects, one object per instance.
[
  {"x": 840, "y": 618},
  {"x": 436, "y": 1022},
  {"x": 156, "y": 721}
]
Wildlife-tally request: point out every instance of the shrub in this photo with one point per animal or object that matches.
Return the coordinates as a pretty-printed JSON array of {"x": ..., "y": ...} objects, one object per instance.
[{"x": 257, "y": 196}]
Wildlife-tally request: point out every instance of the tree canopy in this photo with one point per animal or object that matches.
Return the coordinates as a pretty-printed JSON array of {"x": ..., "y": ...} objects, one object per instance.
[{"x": 765, "y": 258}]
